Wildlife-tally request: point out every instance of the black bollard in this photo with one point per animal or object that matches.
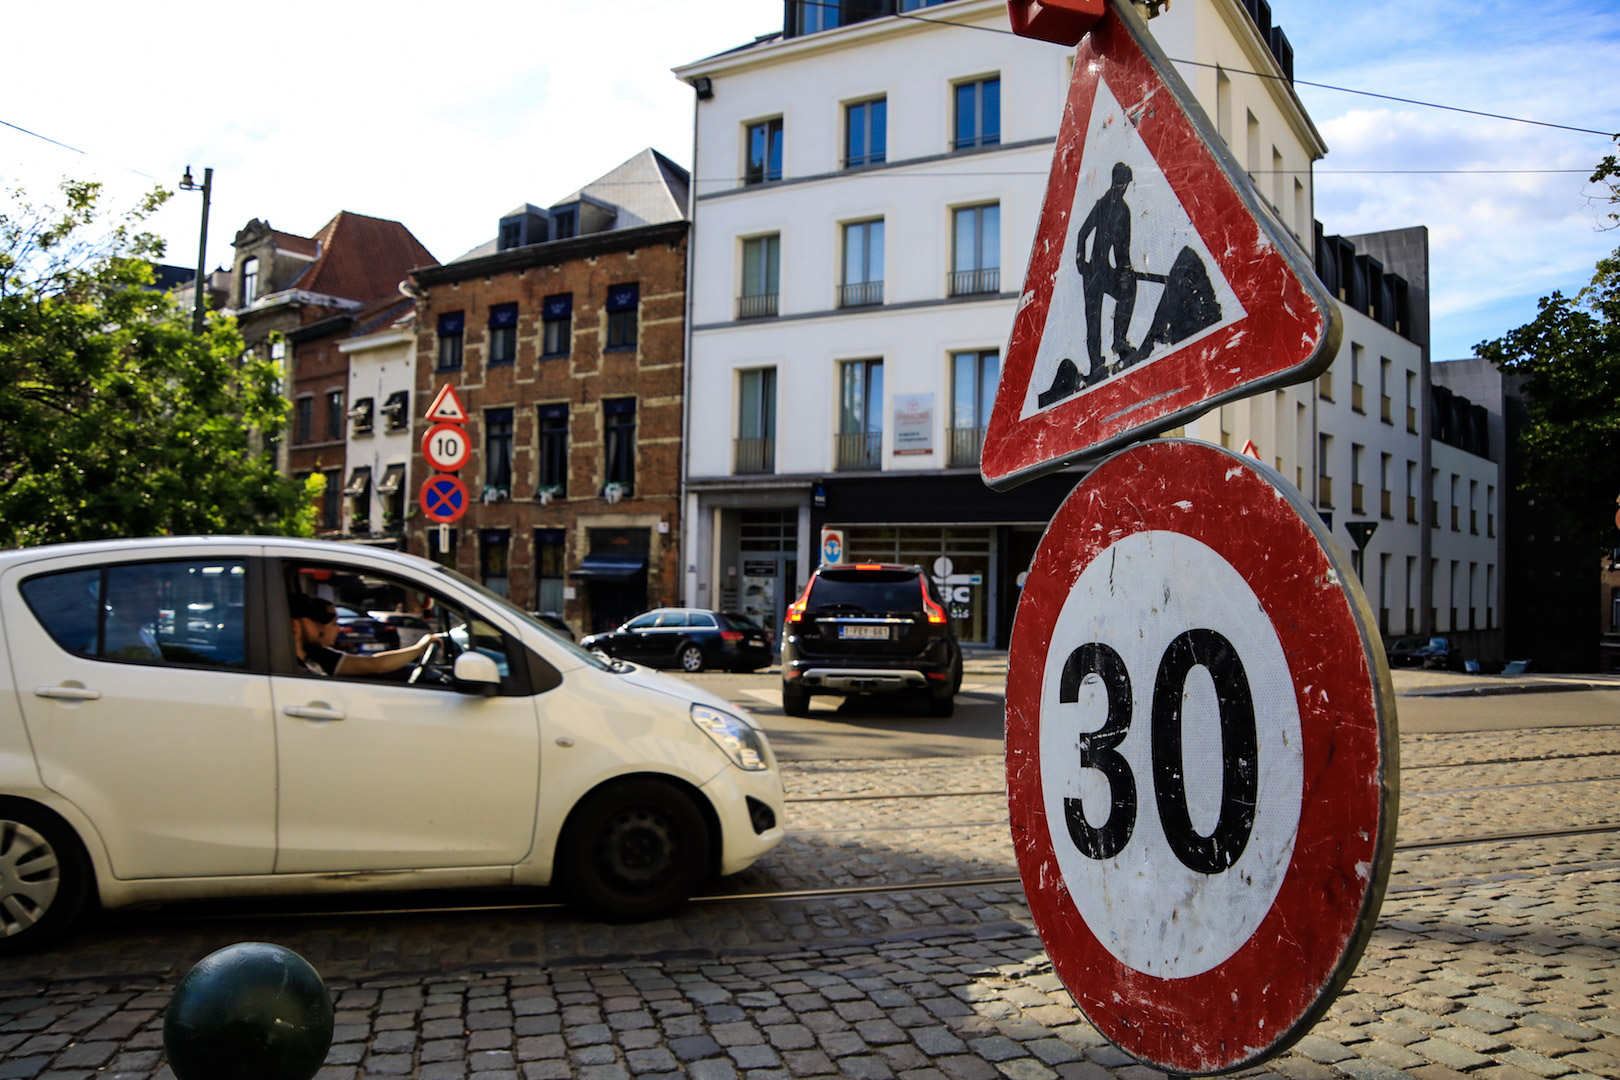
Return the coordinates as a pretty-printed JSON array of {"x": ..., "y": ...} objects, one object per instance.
[{"x": 251, "y": 1011}]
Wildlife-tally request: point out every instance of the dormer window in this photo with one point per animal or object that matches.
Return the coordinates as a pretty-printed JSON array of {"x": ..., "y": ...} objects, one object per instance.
[
  {"x": 565, "y": 223},
  {"x": 396, "y": 408},
  {"x": 360, "y": 417}
]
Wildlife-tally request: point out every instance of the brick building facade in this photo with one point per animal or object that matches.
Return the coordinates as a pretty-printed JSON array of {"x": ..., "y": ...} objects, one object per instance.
[{"x": 568, "y": 356}]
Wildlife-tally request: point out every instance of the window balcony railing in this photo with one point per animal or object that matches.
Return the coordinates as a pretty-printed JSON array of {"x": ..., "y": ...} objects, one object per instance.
[
  {"x": 966, "y": 443},
  {"x": 1411, "y": 509},
  {"x": 1385, "y": 502},
  {"x": 1411, "y": 419},
  {"x": 1385, "y": 407},
  {"x": 1454, "y": 519},
  {"x": 757, "y": 306},
  {"x": 1357, "y": 492},
  {"x": 986, "y": 279},
  {"x": 1324, "y": 386},
  {"x": 860, "y": 294},
  {"x": 860, "y": 450},
  {"x": 1324, "y": 491},
  {"x": 756, "y": 454}
]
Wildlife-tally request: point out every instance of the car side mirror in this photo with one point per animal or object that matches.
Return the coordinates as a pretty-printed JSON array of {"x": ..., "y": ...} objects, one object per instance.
[{"x": 475, "y": 673}]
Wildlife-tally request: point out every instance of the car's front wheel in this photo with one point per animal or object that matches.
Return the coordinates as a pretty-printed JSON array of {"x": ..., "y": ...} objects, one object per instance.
[
  {"x": 633, "y": 850},
  {"x": 44, "y": 876}
]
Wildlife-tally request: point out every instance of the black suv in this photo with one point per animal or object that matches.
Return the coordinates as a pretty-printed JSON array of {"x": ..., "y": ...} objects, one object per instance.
[{"x": 870, "y": 628}]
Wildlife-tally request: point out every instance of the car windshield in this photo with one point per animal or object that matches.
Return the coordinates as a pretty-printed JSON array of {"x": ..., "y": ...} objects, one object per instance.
[
  {"x": 873, "y": 590},
  {"x": 584, "y": 655}
]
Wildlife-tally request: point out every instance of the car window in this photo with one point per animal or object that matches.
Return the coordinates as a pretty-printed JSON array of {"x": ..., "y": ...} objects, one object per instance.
[
  {"x": 642, "y": 622},
  {"x": 879, "y": 591},
  {"x": 698, "y": 618},
  {"x": 583, "y": 655},
  {"x": 354, "y": 589},
  {"x": 185, "y": 613},
  {"x": 674, "y": 618}
]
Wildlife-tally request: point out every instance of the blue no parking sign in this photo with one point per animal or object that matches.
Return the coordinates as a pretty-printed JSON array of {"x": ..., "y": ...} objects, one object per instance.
[{"x": 443, "y": 498}]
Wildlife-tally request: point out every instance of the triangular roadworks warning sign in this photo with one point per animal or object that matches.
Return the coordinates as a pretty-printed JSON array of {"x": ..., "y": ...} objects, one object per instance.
[
  {"x": 446, "y": 407},
  {"x": 1158, "y": 284}
]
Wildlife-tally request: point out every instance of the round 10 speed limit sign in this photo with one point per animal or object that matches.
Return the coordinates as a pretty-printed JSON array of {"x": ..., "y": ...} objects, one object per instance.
[{"x": 1201, "y": 757}]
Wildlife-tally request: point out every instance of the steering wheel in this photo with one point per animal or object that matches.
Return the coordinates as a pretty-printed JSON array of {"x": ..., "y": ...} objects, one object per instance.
[{"x": 426, "y": 660}]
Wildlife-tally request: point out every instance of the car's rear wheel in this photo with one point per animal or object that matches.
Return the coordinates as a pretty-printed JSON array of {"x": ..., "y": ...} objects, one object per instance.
[
  {"x": 795, "y": 700},
  {"x": 44, "y": 876},
  {"x": 690, "y": 656},
  {"x": 634, "y": 850}
]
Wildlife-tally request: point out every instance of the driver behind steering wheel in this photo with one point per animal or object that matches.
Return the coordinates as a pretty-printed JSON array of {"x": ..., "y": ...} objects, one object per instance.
[{"x": 315, "y": 629}]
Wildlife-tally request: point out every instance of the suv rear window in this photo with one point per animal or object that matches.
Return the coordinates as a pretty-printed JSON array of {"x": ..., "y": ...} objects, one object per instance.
[{"x": 866, "y": 590}]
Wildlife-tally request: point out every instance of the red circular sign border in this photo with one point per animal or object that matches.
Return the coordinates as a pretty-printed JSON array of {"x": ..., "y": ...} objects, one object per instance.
[
  {"x": 421, "y": 498},
  {"x": 1208, "y": 1023},
  {"x": 466, "y": 446}
]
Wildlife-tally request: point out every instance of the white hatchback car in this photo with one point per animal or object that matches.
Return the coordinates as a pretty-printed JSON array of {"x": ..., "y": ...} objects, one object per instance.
[{"x": 159, "y": 740}]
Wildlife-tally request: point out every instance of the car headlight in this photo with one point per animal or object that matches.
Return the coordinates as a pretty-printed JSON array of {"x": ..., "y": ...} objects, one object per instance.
[{"x": 741, "y": 742}]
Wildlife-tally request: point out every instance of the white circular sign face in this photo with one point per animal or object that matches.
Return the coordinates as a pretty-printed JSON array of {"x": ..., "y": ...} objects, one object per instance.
[
  {"x": 1173, "y": 813},
  {"x": 446, "y": 447}
]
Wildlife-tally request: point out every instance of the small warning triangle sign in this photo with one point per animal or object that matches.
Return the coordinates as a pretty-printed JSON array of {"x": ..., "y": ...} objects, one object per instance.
[
  {"x": 1158, "y": 284},
  {"x": 446, "y": 407}
]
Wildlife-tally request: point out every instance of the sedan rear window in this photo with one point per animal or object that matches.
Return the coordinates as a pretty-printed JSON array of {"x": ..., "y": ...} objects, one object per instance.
[{"x": 870, "y": 590}]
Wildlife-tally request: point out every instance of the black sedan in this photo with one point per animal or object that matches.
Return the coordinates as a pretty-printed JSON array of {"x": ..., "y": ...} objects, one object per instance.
[
  {"x": 688, "y": 638},
  {"x": 358, "y": 633},
  {"x": 1434, "y": 653}
]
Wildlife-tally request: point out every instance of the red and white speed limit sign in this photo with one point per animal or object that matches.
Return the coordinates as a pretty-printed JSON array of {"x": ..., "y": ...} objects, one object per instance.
[
  {"x": 1201, "y": 757},
  {"x": 446, "y": 447}
]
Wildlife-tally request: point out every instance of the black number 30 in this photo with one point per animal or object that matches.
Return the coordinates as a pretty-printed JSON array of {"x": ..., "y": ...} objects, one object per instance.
[{"x": 1240, "y": 781}]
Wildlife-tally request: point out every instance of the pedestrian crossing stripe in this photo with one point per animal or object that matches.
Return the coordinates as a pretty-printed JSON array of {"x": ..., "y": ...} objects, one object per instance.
[{"x": 1150, "y": 222}]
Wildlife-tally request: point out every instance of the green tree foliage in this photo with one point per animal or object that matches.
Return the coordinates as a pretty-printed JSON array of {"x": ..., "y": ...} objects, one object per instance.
[
  {"x": 1569, "y": 357},
  {"x": 116, "y": 420},
  {"x": 1607, "y": 173}
]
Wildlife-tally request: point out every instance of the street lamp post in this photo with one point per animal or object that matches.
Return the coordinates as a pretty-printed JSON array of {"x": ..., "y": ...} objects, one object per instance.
[{"x": 207, "y": 189}]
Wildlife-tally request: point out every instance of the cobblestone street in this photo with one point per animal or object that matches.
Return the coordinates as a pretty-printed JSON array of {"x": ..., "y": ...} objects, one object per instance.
[{"x": 1491, "y": 959}]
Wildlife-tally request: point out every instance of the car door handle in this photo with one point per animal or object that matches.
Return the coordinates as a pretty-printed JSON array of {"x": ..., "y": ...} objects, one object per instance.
[
  {"x": 314, "y": 712},
  {"x": 67, "y": 693}
]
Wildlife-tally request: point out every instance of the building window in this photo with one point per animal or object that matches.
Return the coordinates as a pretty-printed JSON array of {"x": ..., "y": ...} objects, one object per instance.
[
  {"x": 553, "y": 464},
  {"x": 550, "y": 550},
  {"x": 358, "y": 491},
  {"x": 1411, "y": 402},
  {"x": 866, "y": 133},
  {"x": 498, "y": 449},
  {"x": 621, "y": 320},
  {"x": 332, "y": 500},
  {"x": 973, "y": 392},
  {"x": 503, "y": 319},
  {"x": 1356, "y": 392},
  {"x": 1473, "y": 507},
  {"x": 761, "y": 259},
  {"x": 494, "y": 556},
  {"x": 1490, "y": 509},
  {"x": 860, "y": 417},
  {"x": 1324, "y": 482},
  {"x": 863, "y": 264},
  {"x": 452, "y": 325},
  {"x": 1411, "y": 493},
  {"x": 978, "y": 114},
  {"x": 1357, "y": 488},
  {"x": 619, "y": 441},
  {"x": 334, "y": 414},
  {"x": 1385, "y": 405},
  {"x": 397, "y": 409},
  {"x": 1386, "y": 496},
  {"x": 756, "y": 421},
  {"x": 361, "y": 416},
  {"x": 764, "y": 152},
  {"x": 392, "y": 490},
  {"x": 304, "y": 419},
  {"x": 563, "y": 224},
  {"x": 976, "y": 249},
  {"x": 250, "y": 281},
  {"x": 556, "y": 325}
]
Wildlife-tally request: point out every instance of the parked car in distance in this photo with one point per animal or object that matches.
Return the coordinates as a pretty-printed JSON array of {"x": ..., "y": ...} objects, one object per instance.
[
  {"x": 1415, "y": 650},
  {"x": 359, "y": 633},
  {"x": 553, "y": 622},
  {"x": 692, "y": 639},
  {"x": 149, "y": 757},
  {"x": 870, "y": 628}
]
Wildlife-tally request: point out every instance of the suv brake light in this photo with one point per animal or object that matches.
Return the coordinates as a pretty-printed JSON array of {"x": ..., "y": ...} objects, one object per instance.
[
  {"x": 936, "y": 614},
  {"x": 795, "y": 610}
]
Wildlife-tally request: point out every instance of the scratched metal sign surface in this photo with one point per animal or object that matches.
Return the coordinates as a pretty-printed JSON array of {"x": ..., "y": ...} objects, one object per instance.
[
  {"x": 1201, "y": 757},
  {"x": 1159, "y": 283}
]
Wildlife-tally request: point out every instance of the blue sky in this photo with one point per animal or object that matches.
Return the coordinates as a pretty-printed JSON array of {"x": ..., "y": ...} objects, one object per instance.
[{"x": 445, "y": 124}]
